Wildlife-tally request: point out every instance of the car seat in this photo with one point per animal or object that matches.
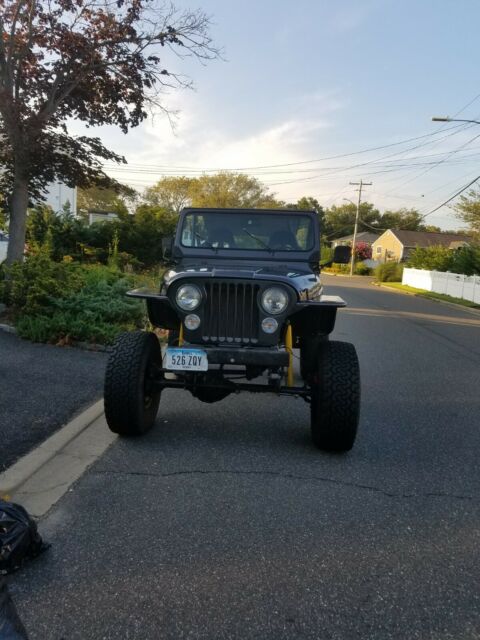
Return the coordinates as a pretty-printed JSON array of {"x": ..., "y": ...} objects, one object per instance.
[{"x": 222, "y": 238}]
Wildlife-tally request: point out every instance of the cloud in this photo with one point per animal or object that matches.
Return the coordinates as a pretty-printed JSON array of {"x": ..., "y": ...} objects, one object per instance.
[{"x": 294, "y": 133}]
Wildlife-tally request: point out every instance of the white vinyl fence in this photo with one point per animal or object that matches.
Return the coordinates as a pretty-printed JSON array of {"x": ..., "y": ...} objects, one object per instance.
[
  {"x": 3, "y": 250},
  {"x": 451, "y": 284}
]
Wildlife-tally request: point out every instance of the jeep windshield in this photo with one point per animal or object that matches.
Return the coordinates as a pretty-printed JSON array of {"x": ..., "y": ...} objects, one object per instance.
[{"x": 238, "y": 230}]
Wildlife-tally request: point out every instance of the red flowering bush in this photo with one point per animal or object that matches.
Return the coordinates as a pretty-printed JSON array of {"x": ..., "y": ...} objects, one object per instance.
[{"x": 363, "y": 251}]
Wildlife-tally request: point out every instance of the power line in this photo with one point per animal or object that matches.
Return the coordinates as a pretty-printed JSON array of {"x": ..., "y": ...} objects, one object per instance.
[
  {"x": 452, "y": 198},
  {"x": 291, "y": 164}
]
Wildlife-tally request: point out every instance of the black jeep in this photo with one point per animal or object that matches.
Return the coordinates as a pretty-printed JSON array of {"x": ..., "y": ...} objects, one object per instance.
[{"x": 242, "y": 293}]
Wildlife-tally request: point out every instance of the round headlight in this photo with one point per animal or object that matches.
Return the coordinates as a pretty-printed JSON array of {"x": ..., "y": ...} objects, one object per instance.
[
  {"x": 274, "y": 300},
  {"x": 192, "y": 321},
  {"x": 188, "y": 297},
  {"x": 269, "y": 325}
]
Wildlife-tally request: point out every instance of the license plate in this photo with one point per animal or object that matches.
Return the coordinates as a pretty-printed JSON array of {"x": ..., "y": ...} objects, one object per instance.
[{"x": 180, "y": 359}]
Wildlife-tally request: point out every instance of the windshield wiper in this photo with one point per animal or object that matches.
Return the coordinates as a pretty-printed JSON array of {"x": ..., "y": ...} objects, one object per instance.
[
  {"x": 206, "y": 242},
  {"x": 259, "y": 240}
]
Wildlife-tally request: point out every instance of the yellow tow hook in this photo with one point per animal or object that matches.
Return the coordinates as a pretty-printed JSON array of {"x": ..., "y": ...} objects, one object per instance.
[
  {"x": 289, "y": 348},
  {"x": 180, "y": 335}
]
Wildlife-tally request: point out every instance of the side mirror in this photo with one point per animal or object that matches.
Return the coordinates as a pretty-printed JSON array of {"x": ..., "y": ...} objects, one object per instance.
[
  {"x": 342, "y": 254},
  {"x": 167, "y": 247}
]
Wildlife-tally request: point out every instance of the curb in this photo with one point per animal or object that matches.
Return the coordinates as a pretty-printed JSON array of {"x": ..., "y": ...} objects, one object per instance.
[
  {"x": 453, "y": 305},
  {"x": 8, "y": 328},
  {"x": 16, "y": 475}
]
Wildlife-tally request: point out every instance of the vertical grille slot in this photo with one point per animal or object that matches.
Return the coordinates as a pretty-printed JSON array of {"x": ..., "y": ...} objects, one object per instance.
[{"x": 231, "y": 313}]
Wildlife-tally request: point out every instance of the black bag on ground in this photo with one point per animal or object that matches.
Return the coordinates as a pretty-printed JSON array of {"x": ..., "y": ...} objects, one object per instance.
[
  {"x": 11, "y": 627},
  {"x": 19, "y": 538}
]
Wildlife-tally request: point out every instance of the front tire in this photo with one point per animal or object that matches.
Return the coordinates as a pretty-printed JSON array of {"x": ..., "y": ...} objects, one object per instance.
[
  {"x": 130, "y": 398},
  {"x": 335, "y": 402}
]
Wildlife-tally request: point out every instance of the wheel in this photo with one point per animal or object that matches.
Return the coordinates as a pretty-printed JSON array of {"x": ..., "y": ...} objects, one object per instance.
[
  {"x": 335, "y": 401},
  {"x": 131, "y": 401},
  {"x": 309, "y": 355}
]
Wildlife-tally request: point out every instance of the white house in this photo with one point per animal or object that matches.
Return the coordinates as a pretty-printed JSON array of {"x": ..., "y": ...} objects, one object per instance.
[
  {"x": 58, "y": 194},
  {"x": 3, "y": 246}
]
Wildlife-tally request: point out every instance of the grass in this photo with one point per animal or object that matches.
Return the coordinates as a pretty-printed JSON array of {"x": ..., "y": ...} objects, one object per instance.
[{"x": 430, "y": 294}]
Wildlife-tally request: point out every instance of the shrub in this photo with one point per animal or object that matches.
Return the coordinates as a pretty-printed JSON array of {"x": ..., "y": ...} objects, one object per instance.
[
  {"x": 53, "y": 301},
  {"x": 326, "y": 253},
  {"x": 389, "y": 272},
  {"x": 465, "y": 260},
  {"x": 431, "y": 258},
  {"x": 30, "y": 286},
  {"x": 363, "y": 251},
  {"x": 361, "y": 269}
]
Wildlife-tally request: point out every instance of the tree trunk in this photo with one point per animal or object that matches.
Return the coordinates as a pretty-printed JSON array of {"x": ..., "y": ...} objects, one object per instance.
[{"x": 18, "y": 220}]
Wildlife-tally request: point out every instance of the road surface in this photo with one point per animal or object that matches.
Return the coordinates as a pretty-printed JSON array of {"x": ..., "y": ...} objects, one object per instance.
[
  {"x": 225, "y": 523},
  {"x": 41, "y": 388}
]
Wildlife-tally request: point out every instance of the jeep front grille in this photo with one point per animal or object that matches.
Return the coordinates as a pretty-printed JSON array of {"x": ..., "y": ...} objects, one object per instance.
[{"x": 231, "y": 313}]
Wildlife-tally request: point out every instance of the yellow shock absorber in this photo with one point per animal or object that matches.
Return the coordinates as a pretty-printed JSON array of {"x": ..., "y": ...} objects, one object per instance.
[
  {"x": 289, "y": 348},
  {"x": 180, "y": 335}
]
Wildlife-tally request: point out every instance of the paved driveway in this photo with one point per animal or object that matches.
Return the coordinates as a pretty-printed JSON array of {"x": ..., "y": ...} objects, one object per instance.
[
  {"x": 41, "y": 388},
  {"x": 225, "y": 523}
]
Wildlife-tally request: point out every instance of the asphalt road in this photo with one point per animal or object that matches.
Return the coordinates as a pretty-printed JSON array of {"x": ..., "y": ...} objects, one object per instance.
[
  {"x": 41, "y": 388},
  {"x": 225, "y": 523}
]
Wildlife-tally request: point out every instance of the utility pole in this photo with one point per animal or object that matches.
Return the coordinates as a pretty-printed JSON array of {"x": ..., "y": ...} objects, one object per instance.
[{"x": 360, "y": 184}]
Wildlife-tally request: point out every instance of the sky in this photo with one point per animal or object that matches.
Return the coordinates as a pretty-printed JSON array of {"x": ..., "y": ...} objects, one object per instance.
[{"x": 303, "y": 81}]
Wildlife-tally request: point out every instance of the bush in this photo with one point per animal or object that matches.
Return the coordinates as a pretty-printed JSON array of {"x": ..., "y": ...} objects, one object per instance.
[
  {"x": 361, "y": 269},
  {"x": 363, "y": 251},
  {"x": 389, "y": 272},
  {"x": 465, "y": 260},
  {"x": 67, "y": 301},
  {"x": 33, "y": 284},
  {"x": 431, "y": 258}
]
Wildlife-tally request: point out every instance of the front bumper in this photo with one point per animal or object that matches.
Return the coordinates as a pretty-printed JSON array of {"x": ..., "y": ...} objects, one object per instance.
[{"x": 256, "y": 356}]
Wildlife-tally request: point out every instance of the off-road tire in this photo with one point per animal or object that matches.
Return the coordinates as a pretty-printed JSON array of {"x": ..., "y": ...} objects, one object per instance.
[
  {"x": 335, "y": 401},
  {"x": 131, "y": 401}
]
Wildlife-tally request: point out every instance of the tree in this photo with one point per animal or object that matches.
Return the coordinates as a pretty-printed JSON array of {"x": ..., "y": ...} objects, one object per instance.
[
  {"x": 340, "y": 220},
  {"x": 173, "y": 194},
  {"x": 468, "y": 211},
  {"x": 116, "y": 199},
  {"x": 227, "y": 189},
  {"x": 401, "y": 219},
  {"x": 224, "y": 189},
  {"x": 97, "y": 62},
  {"x": 307, "y": 203}
]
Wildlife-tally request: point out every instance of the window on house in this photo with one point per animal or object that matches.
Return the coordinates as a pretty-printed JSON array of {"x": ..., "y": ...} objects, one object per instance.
[{"x": 379, "y": 249}]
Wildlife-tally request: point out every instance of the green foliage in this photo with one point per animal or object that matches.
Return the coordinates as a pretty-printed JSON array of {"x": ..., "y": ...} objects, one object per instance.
[
  {"x": 52, "y": 301},
  {"x": 340, "y": 220},
  {"x": 389, "y": 272},
  {"x": 468, "y": 210},
  {"x": 31, "y": 286},
  {"x": 361, "y": 269},
  {"x": 431, "y": 258},
  {"x": 401, "y": 219},
  {"x": 326, "y": 253},
  {"x": 112, "y": 200},
  {"x": 223, "y": 189},
  {"x": 465, "y": 260},
  {"x": 134, "y": 240}
]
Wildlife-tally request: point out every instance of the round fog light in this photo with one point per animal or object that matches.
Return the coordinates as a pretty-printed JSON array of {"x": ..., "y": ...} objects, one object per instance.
[
  {"x": 192, "y": 321},
  {"x": 269, "y": 325}
]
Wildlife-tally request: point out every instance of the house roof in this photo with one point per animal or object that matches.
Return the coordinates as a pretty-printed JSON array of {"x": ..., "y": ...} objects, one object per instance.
[
  {"x": 363, "y": 236},
  {"x": 427, "y": 238}
]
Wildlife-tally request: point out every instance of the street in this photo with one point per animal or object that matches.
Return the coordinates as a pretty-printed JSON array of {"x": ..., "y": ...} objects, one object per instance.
[{"x": 224, "y": 522}]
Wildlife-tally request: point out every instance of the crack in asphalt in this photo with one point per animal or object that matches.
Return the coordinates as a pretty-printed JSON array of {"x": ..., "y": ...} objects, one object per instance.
[{"x": 290, "y": 476}]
